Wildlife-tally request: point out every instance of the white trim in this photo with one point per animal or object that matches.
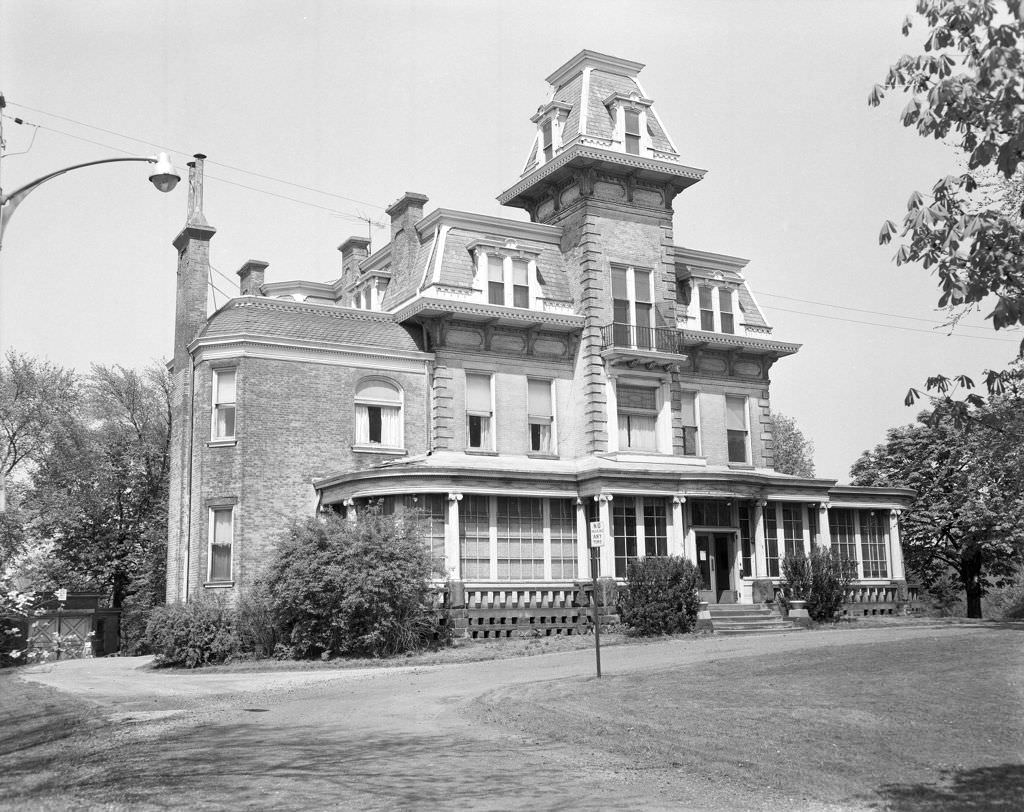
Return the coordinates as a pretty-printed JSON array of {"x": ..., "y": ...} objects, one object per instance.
[
  {"x": 283, "y": 349},
  {"x": 215, "y": 405},
  {"x": 439, "y": 245},
  {"x": 213, "y": 510}
]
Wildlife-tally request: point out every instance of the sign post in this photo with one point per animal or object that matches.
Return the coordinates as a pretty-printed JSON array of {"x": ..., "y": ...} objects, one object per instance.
[
  {"x": 596, "y": 542},
  {"x": 61, "y": 595}
]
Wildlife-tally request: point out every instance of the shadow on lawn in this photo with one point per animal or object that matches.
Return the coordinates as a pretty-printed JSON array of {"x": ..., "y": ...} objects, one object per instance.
[{"x": 1000, "y": 787}]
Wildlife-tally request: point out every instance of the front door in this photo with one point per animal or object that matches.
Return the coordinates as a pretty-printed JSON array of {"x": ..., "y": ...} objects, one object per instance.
[{"x": 714, "y": 559}]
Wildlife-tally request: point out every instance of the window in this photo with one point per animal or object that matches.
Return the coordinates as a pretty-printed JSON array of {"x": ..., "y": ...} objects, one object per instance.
[
  {"x": 638, "y": 417},
  {"x": 546, "y": 140},
  {"x": 873, "y": 537},
  {"x": 793, "y": 529},
  {"x": 541, "y": 416},
  {"x": 737, "y": 432},
  {"x": 379, "y": 414},
  {"x": 624, "y": 533},
  {"x": 725, "y": 310},
  {"x": 688, "y": 418},
  {"x": 711, "y": 512},
  {"x": 563, "y": 539},
  {"x": 843, "y": 531},
  {"x": 632, "y": 306},
  {"x": 746, "y": 538},
  {"x": 495, "y": 279},
  {"x": 684, "y": 292},
  {"x": 223, "y": 404},
  {"x": 508, "y": 289},
  {"x": 429, "y": 509},
  {"x": 707, "y": 309},
  {"x": 655, "y": 527},
  {"x": 221, "y": 540},
  {"x": 479, "y": 411},
  {"x": 632, "y": 131},
  {"x": 771, "y": 540},
  {"x": 475, "y": 538},
  {"x": 520, "y": 523}
]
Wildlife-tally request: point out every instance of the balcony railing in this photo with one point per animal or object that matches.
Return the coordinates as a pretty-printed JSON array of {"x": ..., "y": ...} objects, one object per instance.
[{"x": 650, "y": 339}]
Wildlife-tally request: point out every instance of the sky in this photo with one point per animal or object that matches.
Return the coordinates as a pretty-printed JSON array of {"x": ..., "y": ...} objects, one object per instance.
[{"x": 316, "y": 114}]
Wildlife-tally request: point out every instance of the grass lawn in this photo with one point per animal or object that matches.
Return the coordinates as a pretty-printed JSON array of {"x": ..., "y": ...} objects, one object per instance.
[{"x": 921, "y": 724}]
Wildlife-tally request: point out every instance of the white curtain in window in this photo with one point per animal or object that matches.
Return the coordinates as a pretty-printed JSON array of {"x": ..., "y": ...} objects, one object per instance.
[
  {"x": 362, "y": 424},
  {"x": 637, "y": 431},
  {"x": 391, "y": 427}
]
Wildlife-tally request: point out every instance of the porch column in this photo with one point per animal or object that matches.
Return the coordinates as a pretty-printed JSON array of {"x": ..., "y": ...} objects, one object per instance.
[
  {"x": 583, "y": 541},
  {"x": 604, "y": 513},
  {"x": 451, "y": 538},
  {"x": 679, "y": 530},
  {"x": 895, "y": 547},
  {"x": 808, "y": 541},
  {"x": 824, "y": 532},
  {"x": 760, "y": 562}
]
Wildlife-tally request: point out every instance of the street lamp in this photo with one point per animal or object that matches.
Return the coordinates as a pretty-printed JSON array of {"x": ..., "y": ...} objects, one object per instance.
[{"x": 163, "y": 177}]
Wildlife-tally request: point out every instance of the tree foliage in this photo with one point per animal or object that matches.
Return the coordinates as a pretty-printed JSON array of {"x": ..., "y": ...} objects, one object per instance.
[
  {"x": 358, "y": 587},
  {"x": 968, "y": 86},
  {"x": 793, "y": 452},
  {"x": 661, "y": 595},
  {"x": 968, "y": 515}
]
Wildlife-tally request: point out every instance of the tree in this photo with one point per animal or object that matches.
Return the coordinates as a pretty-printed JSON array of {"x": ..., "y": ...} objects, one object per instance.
[
  {"x": 794, "y": 453},
  {"x": 969, "y": 83},
  {"x": 968, "y": 515}
]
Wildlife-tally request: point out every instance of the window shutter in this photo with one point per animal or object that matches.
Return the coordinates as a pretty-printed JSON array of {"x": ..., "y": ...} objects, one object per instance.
[
  {"x": 736, "y": 414},
  {"x": 478, "y": 393},
  {"x": 225, "y": 386}
]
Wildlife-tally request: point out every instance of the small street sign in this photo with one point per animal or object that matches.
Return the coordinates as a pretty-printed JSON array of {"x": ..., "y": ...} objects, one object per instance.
[
  {"x": 62, "y": 595},
  {"x": 596, "y": 534}
]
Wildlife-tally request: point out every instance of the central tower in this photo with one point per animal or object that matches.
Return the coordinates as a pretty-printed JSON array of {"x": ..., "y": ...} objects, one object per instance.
[{"x": 603, "y": 167}]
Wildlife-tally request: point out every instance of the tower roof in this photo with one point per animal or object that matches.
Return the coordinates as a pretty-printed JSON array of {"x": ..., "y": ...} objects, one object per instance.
[{"x": 598, "y": 113}]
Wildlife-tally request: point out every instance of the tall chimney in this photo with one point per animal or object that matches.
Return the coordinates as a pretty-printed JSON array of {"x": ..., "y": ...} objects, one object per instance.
[
  {"x": 404, "y": 214},
  {"x": 250, "y": 277},
  {"x": 353, "y": 251}
]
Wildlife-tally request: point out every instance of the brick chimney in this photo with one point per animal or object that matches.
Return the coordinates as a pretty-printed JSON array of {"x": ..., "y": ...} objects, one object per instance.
[
  {"x": 404, "y": 214},
  {"x": 353, "y": 251},
  {"x": 250, "y": 277}
]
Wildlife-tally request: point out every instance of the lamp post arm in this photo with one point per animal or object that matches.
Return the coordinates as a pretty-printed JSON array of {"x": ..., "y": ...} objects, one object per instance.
[{"x": 8, "y": 203}]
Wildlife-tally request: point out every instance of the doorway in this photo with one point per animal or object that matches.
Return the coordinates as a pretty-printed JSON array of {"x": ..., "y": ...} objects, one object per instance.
[{"x": 716, "y": 557}]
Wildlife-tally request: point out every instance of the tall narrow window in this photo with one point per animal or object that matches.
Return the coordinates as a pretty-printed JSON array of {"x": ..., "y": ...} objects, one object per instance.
[
  {"x": 688, "y": 418},
  {"x": 475, "y": 538},
  {"x": 632, "y": 307},
  {"x": 873, "y": 543},
  {"x": 771, "y": 540},
  {"x": 725, "y": 310},
  {"x": 707, "y": 308},
  {"x": 520, "y": 523},
  {"x": 624, "y": 533},
  {"x": 563, "y": 539},
  {"x": 541, "y": 416},
  {"x": 223, "y": 404},
  {"x": 684, "y": 292},
  {"x": 843, "y": 531},
  {"x": 479, "y": 411},
  {"x": 520, "y": 283},
  {"x": 655, "y": 527},
  {"x": 221, "y": 542},
  {"x": 620, "y": 308},
  {"x": 643, "y": 306},
  {"x": 378, "y": 414},
  {"x": 632, "y": 121},
  {"x": 736, "y": 428},
  {"x": 546, "y": 140},
  {"x": 746, "y": 538},
  {"x": 495, "y": 279},
  {"x": 638, "y": 417},
  {"x": 793, "y": 529}
]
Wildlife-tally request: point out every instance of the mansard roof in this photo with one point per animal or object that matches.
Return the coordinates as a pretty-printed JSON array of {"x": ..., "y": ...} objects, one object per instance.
[{"x": 302, "y": 321}]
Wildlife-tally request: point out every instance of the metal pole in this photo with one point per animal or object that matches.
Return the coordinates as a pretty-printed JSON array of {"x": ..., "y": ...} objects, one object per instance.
[{"x": 597, "y": 616}]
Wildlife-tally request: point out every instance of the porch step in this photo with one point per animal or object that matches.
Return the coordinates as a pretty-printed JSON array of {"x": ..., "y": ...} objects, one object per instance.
[{"x": 736, "y": 619}]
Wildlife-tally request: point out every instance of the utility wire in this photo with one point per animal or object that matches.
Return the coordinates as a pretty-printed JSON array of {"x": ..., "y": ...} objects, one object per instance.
[
  {"x": 872, "y": 312},
  {"x": 217, "y": 163}
]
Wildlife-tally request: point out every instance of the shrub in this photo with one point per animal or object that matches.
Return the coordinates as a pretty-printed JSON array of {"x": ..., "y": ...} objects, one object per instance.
[
  {"x": 661, "y": 595},
  {"x": 256, "y": 623},
  {"x": 822, "y": 580},
  {"x": 361, "y": 587},
  {"x": 200, "y": 632}
]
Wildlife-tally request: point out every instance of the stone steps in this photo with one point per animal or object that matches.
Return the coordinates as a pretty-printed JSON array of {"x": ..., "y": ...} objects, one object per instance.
[{"x": 736, "y": 619}]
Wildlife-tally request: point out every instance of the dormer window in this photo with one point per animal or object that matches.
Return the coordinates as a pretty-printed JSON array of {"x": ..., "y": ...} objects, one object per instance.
[
  {"x": 717, "y": 313},
  {"x": 632, "y": 131},
  {"x": 506, "y": 275},
  {"x": 547, "y": 140},
  {"x": 550, "y": 120}
]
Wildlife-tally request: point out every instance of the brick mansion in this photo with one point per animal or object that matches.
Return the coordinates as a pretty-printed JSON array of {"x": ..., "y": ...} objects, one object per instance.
[{"x": 513, "y": 379}]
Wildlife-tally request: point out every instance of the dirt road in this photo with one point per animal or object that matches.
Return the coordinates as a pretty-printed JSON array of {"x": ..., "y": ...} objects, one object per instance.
[{"x": 375, "y": 738}]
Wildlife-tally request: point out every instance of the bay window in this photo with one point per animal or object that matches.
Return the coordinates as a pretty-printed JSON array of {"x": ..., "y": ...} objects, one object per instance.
[{"x": 861, "y": 536}]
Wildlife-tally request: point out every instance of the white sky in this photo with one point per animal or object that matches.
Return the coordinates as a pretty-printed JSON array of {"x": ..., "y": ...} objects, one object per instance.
[{"x": 366, "y": 100}]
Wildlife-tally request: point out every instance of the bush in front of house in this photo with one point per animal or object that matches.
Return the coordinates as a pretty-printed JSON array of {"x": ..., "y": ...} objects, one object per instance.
[
  {"x": 256, "y": 622},
  {"x": 821, "y": 579},
  {"x": 357, "y": 587},
  {"x": 660, "y": 596},
  {"x": 190, "y": 635}
]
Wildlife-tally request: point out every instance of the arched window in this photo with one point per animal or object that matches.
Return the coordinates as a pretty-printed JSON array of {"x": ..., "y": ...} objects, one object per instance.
[{"x": 379, "y": 414}]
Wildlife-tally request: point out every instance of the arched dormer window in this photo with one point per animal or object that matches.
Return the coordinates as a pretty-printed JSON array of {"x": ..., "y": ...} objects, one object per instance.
[{"x": 379, "y": 421}]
